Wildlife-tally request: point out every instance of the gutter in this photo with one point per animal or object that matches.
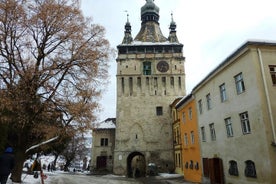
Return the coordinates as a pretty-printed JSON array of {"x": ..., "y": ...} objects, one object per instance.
[{"x": 267, "y": 98}]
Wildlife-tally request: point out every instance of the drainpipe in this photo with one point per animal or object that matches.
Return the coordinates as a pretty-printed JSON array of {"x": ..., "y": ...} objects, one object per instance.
[{"x": 267, "y": 97}]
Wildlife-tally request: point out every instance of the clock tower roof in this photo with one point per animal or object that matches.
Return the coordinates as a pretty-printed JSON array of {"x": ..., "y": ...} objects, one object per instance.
[{"x": 150, "y": 30}]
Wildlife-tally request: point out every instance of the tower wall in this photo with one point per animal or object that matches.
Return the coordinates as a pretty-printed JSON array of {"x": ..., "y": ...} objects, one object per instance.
[{"x": 140, "y": 128}]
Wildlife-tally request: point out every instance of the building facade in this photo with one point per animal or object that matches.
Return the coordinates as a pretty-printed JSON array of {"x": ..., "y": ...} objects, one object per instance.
[
  {"x": 150, "y": 75},
  {"x": 103, "y": 143},
  {"x": 191, "y": 155},
  {"x": 177, "y": 142},
  {"x": 236, "y": 106}
]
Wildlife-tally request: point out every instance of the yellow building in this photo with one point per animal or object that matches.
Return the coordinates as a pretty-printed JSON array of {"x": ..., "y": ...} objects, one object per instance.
[
  {"x": 191, "y": 157},
  {"x": 177, "y": 143}
]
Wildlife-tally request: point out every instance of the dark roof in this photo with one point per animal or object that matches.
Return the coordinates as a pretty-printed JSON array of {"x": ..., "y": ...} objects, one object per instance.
[{"x": 184, "y": 100}]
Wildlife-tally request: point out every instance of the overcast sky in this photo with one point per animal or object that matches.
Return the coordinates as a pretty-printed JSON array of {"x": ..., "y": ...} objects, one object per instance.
[{"x": 209, "y": 29}]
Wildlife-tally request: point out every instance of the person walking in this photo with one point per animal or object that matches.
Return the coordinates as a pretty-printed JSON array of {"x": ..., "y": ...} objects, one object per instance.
[{"x": 6, "y": 164}]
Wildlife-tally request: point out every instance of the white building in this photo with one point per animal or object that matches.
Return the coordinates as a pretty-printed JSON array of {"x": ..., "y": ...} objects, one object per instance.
[
  {"x": 103, "y": 141},
  {"x": 236, "y": 106}
]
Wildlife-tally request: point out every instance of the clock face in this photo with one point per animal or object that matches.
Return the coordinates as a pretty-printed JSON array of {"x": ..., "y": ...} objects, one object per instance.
[{"x": 162, "y": 66}]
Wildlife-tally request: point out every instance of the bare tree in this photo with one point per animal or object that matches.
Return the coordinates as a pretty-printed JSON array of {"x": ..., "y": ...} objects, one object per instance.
[
  {"x": 53, "y": 64},
  {"x": 74, "y": 151}
]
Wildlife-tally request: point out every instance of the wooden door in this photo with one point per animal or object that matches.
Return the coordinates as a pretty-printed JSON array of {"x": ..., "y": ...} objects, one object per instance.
[
  {"x": 101, "y": 162},
  {"x": 216, "y": 171}
]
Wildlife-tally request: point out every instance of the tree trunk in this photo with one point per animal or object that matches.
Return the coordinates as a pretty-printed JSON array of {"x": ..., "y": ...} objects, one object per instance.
[
  {"x": 17, "y": 170},
  {"x": 67, "y": 164},
  {"x": 55, "y": 160}
]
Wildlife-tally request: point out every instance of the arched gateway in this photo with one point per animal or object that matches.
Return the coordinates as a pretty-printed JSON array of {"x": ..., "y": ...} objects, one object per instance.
[{"x": 136, "y": 165}]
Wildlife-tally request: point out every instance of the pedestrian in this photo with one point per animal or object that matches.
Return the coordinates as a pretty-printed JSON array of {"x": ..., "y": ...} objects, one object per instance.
[
  {"x": 49, "y": 167},
  {"x": 52, "y": 167},
  {"x": 6, "y": 164}
]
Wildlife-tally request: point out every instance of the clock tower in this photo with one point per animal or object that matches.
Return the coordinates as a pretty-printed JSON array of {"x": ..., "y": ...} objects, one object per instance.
[{"x": 150, "y": 76}]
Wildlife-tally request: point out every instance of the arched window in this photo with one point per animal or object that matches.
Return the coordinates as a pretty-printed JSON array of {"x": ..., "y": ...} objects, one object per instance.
[
  {"x": 191, "y": 164},
  {"x": 196, "y": 166},
  {"x": 233, "y": 168},
  {"x": 186, "y": 165},
  {"x": 250, "y": 170}
]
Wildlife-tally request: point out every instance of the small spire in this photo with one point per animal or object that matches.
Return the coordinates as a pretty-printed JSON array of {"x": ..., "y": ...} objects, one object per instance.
[
  {"x": 172, "y": 37},
  {"x": 127, "y": 25},
  {"x": 173, "y": 24},
  {"x": 127, "y": 38}
]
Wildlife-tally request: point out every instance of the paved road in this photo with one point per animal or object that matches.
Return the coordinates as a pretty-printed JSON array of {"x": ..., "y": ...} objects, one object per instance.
[
  {"x": 85, "y": 179},
  {"x": 108, "y": 179}
]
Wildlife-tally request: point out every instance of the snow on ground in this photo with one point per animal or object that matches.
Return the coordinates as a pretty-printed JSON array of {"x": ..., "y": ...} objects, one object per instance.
[
  {"x": 166, "y": 175},
  {"x": 29, "y": 179}
]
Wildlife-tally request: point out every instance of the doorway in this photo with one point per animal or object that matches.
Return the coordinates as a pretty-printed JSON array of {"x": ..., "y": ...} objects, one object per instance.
[
  {"x": 136, "y": 165},
  {"x": 216, "y": 171},
  {"x": 101, "y": 162}
]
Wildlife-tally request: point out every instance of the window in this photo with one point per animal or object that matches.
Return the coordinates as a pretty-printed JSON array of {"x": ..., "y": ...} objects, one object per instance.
[
  {"x": 123, "y": 84},
  {"x": 130, "y": 80},
  {"x": 104, "y": 141},
  {"x": 139, "y": 83},
  {"x": 222, "y": 90},
  {"x": 196, "y": 166},
  {"x": 186, "y": 139},
  {"x": 172, "y": 81},
  {"x": 183, "y": 117},
  {"x": 176, "y": 155},
  {"x": 272, "y": 69},
  {"x": 208, "y": 100},
  {"x": 177, "y": 136},
  {"x": 250, "y": 170},
  {"x": 203, "y": 135},
  {"x": 186, "y": 165},
  {"x": 190, "y": 113},
  {"x": 155, "y": 83},
  {"x": 179, "y": 159},
  {"x": 164, "y": 81},
  {"x": 239, "y": 83},
  {"x": 245, "y": 123},
  {"x": 200, "y": 106},
  {"x": 233, "y": 168},
  {"x": 228, "y": 124},
  {"x": 147, "y": 68},
  {"x": 179, "y": 82},
  {"x": 212, "y": 131},
  {"x": 192, "y": 137},
  {"x": 191, "y": 164},
  {"x": 159, "y": 111}
]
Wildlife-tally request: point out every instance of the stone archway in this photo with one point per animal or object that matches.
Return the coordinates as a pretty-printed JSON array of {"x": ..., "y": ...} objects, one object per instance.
[{"x": 136, "y": 165}]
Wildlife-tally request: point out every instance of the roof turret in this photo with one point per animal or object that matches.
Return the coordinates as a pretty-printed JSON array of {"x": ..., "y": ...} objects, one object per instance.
[
  {"x": 150, "y": 30},
  {"x": 172, "y": 37},
  {"x": 127, "y": 38},
  {"x": 150, "y": 12}
]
